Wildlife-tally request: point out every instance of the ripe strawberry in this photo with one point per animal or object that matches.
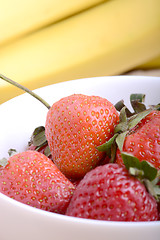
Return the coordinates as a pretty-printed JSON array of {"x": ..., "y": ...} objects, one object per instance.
[
  {"x": 108, "y": 192},
  {"x": 32, "y": 178},
  {"x": 143, "y": 141},
  {"x": 75, "y": 126}
]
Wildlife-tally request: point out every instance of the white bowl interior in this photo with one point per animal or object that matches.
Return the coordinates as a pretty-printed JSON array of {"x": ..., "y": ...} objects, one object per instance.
[{"x": 20, "y": 116}]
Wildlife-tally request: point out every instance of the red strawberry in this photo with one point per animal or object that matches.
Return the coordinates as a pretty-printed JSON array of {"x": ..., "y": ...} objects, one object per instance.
[
  {"x": 108, "y": 192},
  {"x": 75, "y": 126},
  {"x": 32, "y": 178},
  {"x": 143, "y": 141}
]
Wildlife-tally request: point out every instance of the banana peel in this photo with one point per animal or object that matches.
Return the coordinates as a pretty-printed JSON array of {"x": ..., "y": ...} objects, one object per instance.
[
  {"x": 152, "y": 64},
  {"x": 21, "y": 17},
  {"x": 106, "y": 40}
]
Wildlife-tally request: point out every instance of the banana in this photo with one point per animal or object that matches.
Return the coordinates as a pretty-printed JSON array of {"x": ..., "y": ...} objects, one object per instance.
[
  {"x": 109, "y": 39},
  {"x": 20, "y": 17},
  {"x": 152, "y": 64}
]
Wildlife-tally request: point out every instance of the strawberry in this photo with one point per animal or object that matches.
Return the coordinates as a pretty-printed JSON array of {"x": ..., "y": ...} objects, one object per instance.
[
  {"x": 33, "y": 179},
  {"x": 75, "y": 126},
  {"x": 110, "y": 193},
  {"x": 137, "y": 133},
  {"x": 143, "y": 141}
]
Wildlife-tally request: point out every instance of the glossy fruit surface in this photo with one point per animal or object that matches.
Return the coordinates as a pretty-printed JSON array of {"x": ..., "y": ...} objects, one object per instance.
[
  {"x": 31, "y": 178},
  {"x": 144, "y": 140},
  {"x": 75, "y": 126},
  {"x": 109, "y": 193}
]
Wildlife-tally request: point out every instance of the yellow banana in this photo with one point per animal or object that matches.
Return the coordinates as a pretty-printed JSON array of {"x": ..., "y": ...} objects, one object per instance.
[
  {"x": 108, "y": 39},
  {"x": 18, "y": 17},
  {"x": 153, "y": 63}
]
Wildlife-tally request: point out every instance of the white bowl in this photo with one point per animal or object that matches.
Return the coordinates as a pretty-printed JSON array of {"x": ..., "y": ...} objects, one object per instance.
[{"x": 19, "y": 117}]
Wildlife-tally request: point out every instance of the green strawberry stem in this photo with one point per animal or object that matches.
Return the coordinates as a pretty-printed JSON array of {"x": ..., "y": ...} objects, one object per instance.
[{"x": 25, "y": 89}]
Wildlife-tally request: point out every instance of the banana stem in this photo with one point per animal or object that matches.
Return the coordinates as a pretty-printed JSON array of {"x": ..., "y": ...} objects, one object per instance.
[{"x": 25, "y": 89}]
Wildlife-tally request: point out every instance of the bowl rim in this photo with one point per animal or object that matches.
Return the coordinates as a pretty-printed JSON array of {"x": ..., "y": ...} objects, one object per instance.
[
  {"x": 51, "y": 215},
  {"x": 94, "y": 79}
]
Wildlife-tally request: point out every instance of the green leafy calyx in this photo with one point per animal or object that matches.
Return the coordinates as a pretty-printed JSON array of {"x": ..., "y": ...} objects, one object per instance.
[
  {"x": 38, "y": 139},
  {"x": 127, "y": 122},
  {"x": 145, "y": 172}
]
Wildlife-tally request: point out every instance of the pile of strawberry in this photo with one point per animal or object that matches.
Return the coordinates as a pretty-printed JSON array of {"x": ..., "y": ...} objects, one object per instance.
[{"x": 90, "y": 161}]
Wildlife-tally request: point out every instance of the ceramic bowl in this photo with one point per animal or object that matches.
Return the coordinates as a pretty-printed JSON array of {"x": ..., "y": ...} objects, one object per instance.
[{"x": 19, "y": 117}]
